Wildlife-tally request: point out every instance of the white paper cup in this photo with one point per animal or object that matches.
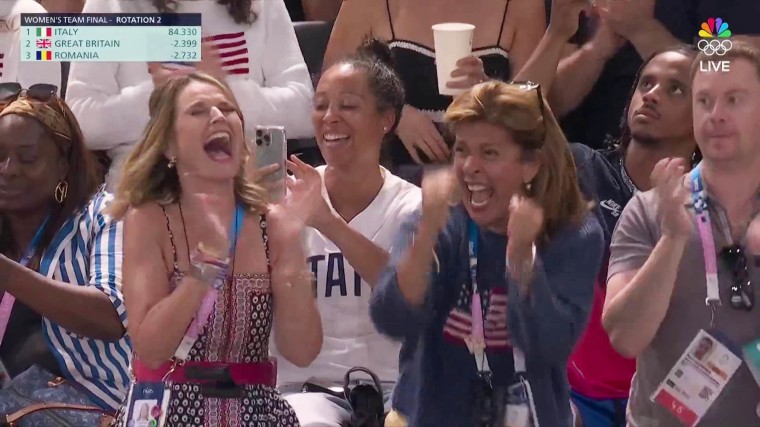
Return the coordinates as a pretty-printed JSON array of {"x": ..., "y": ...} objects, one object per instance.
[{"x": 453, "y": 41}]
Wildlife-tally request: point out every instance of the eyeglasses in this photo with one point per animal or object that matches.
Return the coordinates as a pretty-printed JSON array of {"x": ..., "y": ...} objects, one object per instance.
[
  {"x": 742, "y": 294},
  {"x": 39, "y": 92},
  {"x": 531, "y": 86}
]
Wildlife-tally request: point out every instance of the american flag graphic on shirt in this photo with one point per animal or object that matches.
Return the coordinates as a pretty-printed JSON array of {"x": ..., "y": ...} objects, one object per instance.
[
  {"x": 232, "y": 50},
  {"x": 458, "y": 325}
]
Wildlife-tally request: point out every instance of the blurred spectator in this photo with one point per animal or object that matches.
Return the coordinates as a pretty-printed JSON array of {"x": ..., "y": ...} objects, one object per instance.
[
  {"x": 474, "y": 320},
  {"x": 681, "y": 262},
  {"x": 594, "y": 76},
  {"x": 657, "y": 125},
  {"x": 61, "y": 260},
  {"x": 356, "y": 107},
  {"x": 12, "y": 68},
  {"x": 506, "y": 34},
  {"x": 313, "y": 10},
  {"x": 192, "y": 189},
  {"x": 62, "y": 6},
  {"x": 249, "y": 44}
]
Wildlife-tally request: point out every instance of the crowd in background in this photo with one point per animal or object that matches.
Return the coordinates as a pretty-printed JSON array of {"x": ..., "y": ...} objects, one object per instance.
[{"x": 570, "y": 241}]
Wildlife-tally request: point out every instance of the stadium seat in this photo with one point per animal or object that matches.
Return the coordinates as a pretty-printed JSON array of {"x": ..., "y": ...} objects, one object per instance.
[{"x": 312, "y": 38}]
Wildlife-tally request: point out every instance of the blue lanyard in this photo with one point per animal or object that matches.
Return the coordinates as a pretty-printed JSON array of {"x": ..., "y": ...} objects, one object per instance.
[
  {"x": 29, "y": 253},
  {"x": 472, "y": 248},
  {"x": 236, "y": 224}
]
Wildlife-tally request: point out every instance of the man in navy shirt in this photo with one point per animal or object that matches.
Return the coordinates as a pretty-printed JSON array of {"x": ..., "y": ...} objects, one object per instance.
[
  {"x": 594, "y": 76},
  {"x": 657, "y": 124}
]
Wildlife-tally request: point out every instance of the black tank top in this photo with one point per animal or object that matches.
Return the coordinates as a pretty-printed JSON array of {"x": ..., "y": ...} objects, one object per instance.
[{"x": 415, "y": 65}]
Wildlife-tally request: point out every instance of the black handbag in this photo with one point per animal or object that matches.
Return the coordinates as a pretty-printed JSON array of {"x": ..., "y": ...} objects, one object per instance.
[
  {"x": 367, "y": 405},
  {"x": 366, "y": 400}
]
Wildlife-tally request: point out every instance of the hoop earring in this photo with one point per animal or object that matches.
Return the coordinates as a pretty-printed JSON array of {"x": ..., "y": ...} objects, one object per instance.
[
  {"x": 172, "y": 162},
  {"x": 61, "y": 191}
]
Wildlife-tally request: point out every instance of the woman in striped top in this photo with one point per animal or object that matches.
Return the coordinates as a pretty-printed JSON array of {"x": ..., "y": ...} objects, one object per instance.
[{"x": 61, "y": 263}]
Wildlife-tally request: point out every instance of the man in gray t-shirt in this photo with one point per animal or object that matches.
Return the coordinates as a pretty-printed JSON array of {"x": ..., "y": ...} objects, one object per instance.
[{"x": 655, "y": 304}]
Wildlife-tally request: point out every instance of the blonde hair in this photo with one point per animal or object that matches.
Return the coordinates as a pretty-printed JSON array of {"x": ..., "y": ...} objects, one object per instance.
[
  {"x": 515, "y": 108},
  {"x": 146, "y": 175}
]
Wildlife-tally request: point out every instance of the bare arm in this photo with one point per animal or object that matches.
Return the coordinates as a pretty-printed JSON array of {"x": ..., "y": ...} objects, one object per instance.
[
  {"x": 158, "y": 318},
  {"x": 576, "y": 75},
  {"x": 297, "y": 323},
  {"x": 531, "y": 24},
  {"x": 637, "y": 300},
  {"x": 321, "y": 10},
  {"x": 367, "y": 258},
  {"x": 353, "y": 23},
  {"x": 651, "y": 37}
]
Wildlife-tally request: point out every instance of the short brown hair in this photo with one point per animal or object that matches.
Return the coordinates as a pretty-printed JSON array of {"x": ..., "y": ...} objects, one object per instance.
[
  {"x": 516, "y": 110},
  {"x": 739, "y": 50}
]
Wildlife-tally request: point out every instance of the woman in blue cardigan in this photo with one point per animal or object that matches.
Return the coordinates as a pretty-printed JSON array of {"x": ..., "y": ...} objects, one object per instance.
[{"x": 522, "y": 241}]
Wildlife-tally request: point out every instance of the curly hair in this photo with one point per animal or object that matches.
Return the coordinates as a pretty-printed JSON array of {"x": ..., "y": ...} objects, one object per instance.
[{"x": 621, "y": 143}]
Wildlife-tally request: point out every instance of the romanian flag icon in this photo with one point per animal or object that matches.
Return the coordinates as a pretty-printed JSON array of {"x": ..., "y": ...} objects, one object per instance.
[
  {"x": 44, "y": 32},
  {"x": 44, "y": 55}
]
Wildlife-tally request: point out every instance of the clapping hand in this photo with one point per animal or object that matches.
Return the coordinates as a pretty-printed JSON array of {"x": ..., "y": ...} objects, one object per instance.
[
  {"x": 526, "y": 221},
  {"x": 471, "y": 68},
  {"x": 161, "y": 73},
  {"x": 605, "y": 41},
  {"x": 673, "y": 195},
  {"x": 564, "y": 16},
  {"x": 316, "y": 210},
  {"x": 211, "y": 62},
  {"x": 626, "y": 17},
  {"x": 437, "y": 191}
]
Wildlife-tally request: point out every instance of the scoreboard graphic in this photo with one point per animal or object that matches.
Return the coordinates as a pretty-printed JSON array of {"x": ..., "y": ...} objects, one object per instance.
[{"x": 174, "y": 37}]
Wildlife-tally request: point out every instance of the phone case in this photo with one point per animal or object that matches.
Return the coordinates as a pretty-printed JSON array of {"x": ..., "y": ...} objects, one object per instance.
[{"x": 270, "y": 147}]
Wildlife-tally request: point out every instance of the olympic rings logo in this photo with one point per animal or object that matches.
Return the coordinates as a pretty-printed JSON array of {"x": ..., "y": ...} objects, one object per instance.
[{"x": 714, "y": 46}]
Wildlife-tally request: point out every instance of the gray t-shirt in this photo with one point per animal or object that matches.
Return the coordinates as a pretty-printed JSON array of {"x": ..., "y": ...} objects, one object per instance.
[{"x": 635, "y": 237}]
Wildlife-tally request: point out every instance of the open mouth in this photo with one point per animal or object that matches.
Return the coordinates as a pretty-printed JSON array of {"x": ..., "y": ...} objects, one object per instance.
[
  {"x": 219, "y": 147},
  {"x": 335, "y": 138},
  {"x": 480, "y": 195}
]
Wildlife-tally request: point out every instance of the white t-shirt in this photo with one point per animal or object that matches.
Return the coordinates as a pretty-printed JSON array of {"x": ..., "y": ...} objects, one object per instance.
[
  {"x": 12, "y": 69},
  {"x": 350, "y": 338},
  {"x": 265, "y": 70}
]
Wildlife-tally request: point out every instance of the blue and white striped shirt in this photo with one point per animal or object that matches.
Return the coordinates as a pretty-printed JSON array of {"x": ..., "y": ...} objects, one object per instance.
[{"x": 87, "y": 251}]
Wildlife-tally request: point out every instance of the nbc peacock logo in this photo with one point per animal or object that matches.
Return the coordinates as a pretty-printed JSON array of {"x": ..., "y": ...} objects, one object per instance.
[{"x": 714, "y": 34}]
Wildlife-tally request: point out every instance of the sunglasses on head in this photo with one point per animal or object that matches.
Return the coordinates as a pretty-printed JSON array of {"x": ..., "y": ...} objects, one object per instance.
[
  {"x": 531, "y": 86},
  {"x": 742, "y": 293},
  {"x": 39, "y": 92}
]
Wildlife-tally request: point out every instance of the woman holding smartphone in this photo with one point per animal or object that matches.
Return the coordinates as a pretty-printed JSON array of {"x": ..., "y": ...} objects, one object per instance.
[{"x": 209, "y": 265}]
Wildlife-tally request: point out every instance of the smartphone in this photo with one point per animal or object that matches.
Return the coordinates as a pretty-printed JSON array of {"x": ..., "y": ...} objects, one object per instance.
[{"x": 270, "y": 147}]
